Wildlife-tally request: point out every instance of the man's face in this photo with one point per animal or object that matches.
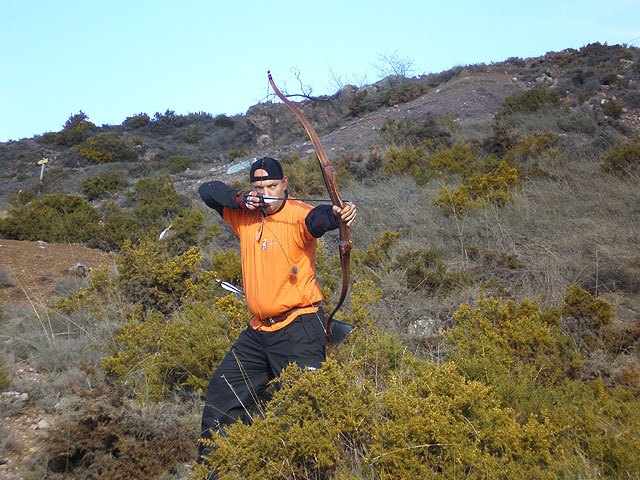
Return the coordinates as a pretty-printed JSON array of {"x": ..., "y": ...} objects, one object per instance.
[{"x": 270, "y": 188}]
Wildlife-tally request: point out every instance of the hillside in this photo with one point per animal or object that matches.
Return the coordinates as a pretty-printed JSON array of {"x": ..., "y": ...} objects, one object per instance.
[
  {"x": 515, "y": 182},
  {"x": 348, "y": 120}
]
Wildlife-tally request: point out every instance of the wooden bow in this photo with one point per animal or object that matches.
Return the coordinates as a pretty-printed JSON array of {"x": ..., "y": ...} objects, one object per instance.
[{"x": 330, "y": 180}]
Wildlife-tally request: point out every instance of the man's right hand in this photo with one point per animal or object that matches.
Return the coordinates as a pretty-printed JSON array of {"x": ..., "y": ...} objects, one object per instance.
[{"x": 252, "y": 200}]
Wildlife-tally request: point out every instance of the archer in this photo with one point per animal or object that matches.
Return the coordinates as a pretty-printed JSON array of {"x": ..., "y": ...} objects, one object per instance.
[{"x": 277, "y": 244}]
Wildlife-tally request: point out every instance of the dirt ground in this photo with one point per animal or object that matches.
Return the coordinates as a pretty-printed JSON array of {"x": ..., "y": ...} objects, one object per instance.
[
  {"x": 30, "y": 271},
  {"x": 29, "y": 274}
]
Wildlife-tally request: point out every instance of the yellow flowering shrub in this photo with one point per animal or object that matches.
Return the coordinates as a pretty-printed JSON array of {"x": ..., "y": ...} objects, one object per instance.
[
  {"x": 154, "y": 354},
  {"x": 150, "y": 277},
  {"x": 480, "y": 190}
]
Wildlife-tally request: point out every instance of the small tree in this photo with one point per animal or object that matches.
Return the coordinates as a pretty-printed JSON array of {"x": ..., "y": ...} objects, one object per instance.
[{"x": 391, "y": 63}]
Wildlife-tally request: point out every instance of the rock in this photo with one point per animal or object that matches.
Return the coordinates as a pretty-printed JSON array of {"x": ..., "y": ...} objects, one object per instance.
[
  {"x": 43, "y": 425},
  {"x": 79, "y": 270},
  {"x": 13, "y": 399},
  {"x": 626, "y": 64},
  {"x": 263, "y": 141},
  {"x": 425, "y": 326}
]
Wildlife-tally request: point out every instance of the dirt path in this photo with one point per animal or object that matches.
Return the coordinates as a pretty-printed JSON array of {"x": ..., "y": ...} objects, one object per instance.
[{"x": 30, "y": 271}]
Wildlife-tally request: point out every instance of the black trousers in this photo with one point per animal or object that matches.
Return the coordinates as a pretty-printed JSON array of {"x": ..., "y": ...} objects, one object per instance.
[{"x": 254, "y": 359}]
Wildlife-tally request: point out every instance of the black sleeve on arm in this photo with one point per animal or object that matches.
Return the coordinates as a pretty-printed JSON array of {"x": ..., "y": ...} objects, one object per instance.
[
  {"x": 218, "y": 195},
  {"x": 320, "y": 220}
]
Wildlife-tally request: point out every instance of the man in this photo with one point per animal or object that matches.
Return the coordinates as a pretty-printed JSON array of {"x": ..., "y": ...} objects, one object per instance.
[{"x": 278, "y": 241}]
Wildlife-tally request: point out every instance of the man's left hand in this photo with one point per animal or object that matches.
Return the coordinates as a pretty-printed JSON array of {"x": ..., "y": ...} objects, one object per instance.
[{"x": 346, "y": 214}]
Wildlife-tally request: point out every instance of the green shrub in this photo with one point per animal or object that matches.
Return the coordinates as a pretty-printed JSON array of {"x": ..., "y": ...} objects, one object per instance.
[
  {"x": 101, "y": 290},
  {"x": 584, "y": 307},
  {"x": 480, "y": 190},
  {"x": 584, "y": 80},
  {"x": 362, "y": 103},
  {"x": 622, "y": 159},
  {"x": 22, "y": 197},
  {"x": 504, "y": 407},
  {"x": 76, "y": 130},
  {"x": 151, "y": 278},
  {"x": 53, "y": 218},
  {"x": 405, "y": 161},
  {"x": 457, "y": 201},
  {"x": 600, "y": 428},
  {"x": 499, "y": 339},
  {"x": 137, "y": 121},
  {"x": 426, "y": 270},
  {"x": 103, "y": 184},
  {"x": 424, "y": 164},
  {"x": 522, "y": 354},
  {"x": 155, "y": 202},
  {"x": 405, "y": 92},
  {"x": 458, "y": 159},
  {"x": 530, "y": 101},
  {"x": 364, "y": 295},
  {"x": 178, "y": 163},
  {"x": 305, "y": 176},
  {"x": 104, "y": 148},
  {"x": 193, "y": 136},
  {"x": 5, "y": 380},
  {"x": 494, "y": 186},
  {"x": 155, "y": 355},
  {"x": 226, "y": 266},
  {"x": 224, "y": 121},
  {"x": 148, "y": 276},
  {"x": 377, "y": 253},
  {"x": 417, "y": 420},
  {"x": 615, "y": 77},
  {"x": 408, "y": 132},
  {"x": 317, "y": 418},
  {"x": 435, "y": 423},
  {"x": 186, "y": 230},
  {"x": 612, "y": 109},
  {"x": 153, "y": 205},
  {"x": 531, "y": 147},
  {"x": 118, "y": 225},
  {"x": 581, "y": 121}
]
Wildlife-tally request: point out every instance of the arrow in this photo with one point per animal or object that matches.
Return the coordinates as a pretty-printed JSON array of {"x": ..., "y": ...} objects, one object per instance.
[
  {"x": 268, "y": 199},
  {"x": 230, "y": 287}
]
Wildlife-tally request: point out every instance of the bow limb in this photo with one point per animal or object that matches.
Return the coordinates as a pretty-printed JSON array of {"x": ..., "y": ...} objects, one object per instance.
[{"x": 330, "y": 180}]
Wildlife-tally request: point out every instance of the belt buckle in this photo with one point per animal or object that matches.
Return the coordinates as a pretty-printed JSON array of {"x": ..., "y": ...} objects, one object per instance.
[{"x": 271, "y": 321}]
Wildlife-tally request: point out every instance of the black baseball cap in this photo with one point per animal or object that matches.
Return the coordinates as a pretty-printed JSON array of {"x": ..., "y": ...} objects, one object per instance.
[{"x": 269, "y": 165}]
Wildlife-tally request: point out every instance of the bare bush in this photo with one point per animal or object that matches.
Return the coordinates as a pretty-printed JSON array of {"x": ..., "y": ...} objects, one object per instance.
[
  {"x": 6, "y": 279},
  {"x": 7, "y": 441},
  {"x": 99, "y": 430}
]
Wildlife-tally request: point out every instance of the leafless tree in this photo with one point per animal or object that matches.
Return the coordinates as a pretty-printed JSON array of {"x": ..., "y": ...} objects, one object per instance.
[
  {"x": 391, "y": 63},
  {"x": 339, "y": 81}
]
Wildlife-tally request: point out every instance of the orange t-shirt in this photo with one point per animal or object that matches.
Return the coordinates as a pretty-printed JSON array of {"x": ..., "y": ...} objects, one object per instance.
[{"x": 278, "y": 262}]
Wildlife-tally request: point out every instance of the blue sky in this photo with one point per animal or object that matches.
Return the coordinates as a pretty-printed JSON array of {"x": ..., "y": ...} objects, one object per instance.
[{"x": 118, "y": 58}]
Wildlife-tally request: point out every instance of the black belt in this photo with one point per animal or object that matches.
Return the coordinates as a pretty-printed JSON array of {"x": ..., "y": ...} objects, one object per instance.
[{"x": 283, "y": 316}]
